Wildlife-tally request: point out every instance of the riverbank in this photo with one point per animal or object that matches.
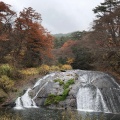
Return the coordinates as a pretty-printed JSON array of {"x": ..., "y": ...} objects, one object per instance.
[{"x": 28, "y": 78}]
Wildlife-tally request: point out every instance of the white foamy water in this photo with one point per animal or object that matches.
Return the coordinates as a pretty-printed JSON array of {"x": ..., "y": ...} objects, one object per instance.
[
  {"x": 18, "y": 103},
  {"x": 25, "y": 101},
  {"x": 90, "y": 99},
  {"x": 37, "y": 83}
]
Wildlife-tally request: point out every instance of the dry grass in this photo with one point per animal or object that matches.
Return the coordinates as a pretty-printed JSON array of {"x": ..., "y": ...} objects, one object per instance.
[
  {"x": 66, "y": 67},
  {"x": 10, "y": 117},
  {"x": 29, "y": 71}
]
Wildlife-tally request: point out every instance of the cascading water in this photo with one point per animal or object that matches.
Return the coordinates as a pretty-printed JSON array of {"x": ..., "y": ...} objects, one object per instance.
[
  {"x": 91, "y": 91},
  {"x": 95, "y": 93},
  {"x": 90, "y": 99},
  {"x": 18, "y": 103},
  {"x": 25, "y": 101}
]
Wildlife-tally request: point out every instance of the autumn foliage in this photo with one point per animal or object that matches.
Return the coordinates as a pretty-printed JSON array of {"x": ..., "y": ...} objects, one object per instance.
[
  {"x": 106, "y": 30},
  {"x": 6, "y": 16},
  {"x": 28, "y": 40}
]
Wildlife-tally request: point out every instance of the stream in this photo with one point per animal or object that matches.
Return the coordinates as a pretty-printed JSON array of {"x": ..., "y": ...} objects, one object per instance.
[{"x": 53, "y": 114}]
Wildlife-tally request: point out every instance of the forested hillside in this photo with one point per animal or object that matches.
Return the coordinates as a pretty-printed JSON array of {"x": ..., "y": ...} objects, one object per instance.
[
  {"x": 28, "y": 50},
  {"x": 101, "y": 44},
  {"x": 24, "y": 43}
]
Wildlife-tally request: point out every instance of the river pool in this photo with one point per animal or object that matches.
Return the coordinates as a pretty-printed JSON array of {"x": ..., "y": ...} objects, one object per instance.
[{"x": 53, "y": 114}]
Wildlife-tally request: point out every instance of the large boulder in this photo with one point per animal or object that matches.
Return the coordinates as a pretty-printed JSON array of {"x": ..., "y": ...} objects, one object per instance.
[{"x": 76, "y": 89}]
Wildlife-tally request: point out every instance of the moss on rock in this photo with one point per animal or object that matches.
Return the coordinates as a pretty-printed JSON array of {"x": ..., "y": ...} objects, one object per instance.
[{"x": 55, "y": 99}]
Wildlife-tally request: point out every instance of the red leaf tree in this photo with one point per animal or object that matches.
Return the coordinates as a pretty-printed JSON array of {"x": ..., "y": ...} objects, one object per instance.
[
  {"x": 33, "y": 39},
  {"x": 6, "y": 17}
]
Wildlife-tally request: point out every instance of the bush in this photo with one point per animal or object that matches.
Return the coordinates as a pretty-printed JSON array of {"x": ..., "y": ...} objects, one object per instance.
[
  {"x": 43, "y": 69},
  {"x": 66, "y": 67},
  {"x": 68, "y": 83},
  {"x": 60, "y": 81},
  {"x": 54, "y": 68},
  {"x": 5, "y": 69},
  {"x": 6, "y": 84},
  {"x": 29, "y": 71},
  {"x": 54, "y": 99},
  {"x": 10, "y": 71}
]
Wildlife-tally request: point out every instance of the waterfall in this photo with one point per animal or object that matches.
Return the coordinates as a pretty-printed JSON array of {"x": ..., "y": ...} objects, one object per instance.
[
  {"x": 98, "y": 93},
  {"x": 25, "y": 101},
  {"x": 84, "y": 99},
  {"x": 91, "y": 99},
  {"x": 92, "y": 91},
  {"x": 18, "y": 103}
]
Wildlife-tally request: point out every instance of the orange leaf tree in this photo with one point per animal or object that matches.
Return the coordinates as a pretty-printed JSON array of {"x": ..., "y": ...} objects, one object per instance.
[
  {"x": 6, "y": 18},
  {"x": 33, "y": 40}
]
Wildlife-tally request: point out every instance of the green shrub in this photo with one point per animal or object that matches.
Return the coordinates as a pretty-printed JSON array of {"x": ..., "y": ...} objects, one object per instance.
[
  {"x": 54, "y": 99},
  {"x": 6, "y": 84},
  {"x": 60, "y": 81},
  {"x": 50, "y": 99},
  {"x": 68, "y": 83},
  {"x": 10, "y": 71},
  {"x": 5, "y": 69},
  {"x": 66, "y": 91}
]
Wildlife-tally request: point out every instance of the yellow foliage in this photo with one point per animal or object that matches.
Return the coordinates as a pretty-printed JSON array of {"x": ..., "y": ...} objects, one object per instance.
[
  {"x": 66, "y": 67},
  {"x": 5, "y": 83},
  {"x": 5, "y": 69},
  {"x": 43, "y": 69},
  {"x": 70, "y": 60},
  {"x": 54, "y": 68},
  {"x": 10, "y": 71},
  {"x": 29, "y": 71}
]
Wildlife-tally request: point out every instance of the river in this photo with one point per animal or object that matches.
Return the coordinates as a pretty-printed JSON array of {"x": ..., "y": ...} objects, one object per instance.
[
  {"x": 96, "y": 97},
  {"x": 53, "y": 114}
]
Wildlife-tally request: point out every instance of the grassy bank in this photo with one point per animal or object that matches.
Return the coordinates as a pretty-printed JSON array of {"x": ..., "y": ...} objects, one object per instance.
[{"x": 13, "y": 80}]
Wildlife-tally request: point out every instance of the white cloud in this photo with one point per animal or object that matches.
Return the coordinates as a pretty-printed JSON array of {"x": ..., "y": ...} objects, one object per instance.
[{"x": 61, "y": 16}]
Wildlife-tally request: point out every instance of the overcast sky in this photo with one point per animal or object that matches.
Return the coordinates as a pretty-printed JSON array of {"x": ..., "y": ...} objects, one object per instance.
[{"x": 60, "y": 16}]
